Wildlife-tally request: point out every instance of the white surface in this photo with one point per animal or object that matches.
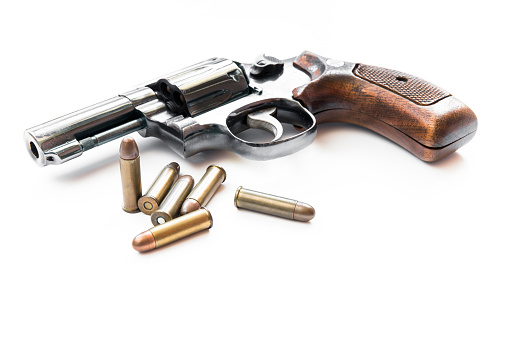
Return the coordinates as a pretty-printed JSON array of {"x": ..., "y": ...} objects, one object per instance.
[{"x": 399, "y": 248}]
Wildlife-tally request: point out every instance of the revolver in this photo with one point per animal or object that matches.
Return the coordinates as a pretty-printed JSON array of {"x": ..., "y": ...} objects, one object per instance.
[{"x": 212, "y": 104}]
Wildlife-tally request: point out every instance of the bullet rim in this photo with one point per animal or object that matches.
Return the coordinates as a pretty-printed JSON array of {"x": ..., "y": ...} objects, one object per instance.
[
  {"x": 174, "y": 165},
  {"x": 236, "y": 197},
  {"x": 131, "y": 211},
  {"x": 145, "y": 199},
  {"x": 158, "y": 214},
  {"x": 220, "y": 168},
  {"x": 210, "y": 216}
]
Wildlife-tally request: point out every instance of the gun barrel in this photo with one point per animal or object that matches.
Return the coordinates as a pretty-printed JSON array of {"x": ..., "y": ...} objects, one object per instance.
[{"x": 67, "y": 137}]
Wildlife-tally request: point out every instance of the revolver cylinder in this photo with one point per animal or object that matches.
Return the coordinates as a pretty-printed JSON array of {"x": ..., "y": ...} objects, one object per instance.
[
  {"x": 204, "y": 86},
  {"x": 156, "y": 108}
]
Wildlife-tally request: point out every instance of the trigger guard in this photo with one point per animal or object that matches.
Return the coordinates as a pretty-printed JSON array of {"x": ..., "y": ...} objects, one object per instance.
[{"x": 288, "y": 111}]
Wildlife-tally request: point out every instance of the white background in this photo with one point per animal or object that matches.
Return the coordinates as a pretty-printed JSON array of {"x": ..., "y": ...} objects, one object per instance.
[{"x": 399, "y": 248}]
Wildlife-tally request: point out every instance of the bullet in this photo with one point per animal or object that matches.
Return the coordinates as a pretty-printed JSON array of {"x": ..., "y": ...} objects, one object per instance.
[
  {"x": 273, "y": 205},
  {"x": 204, "y": 190},
  {"x": 170, "y": 207},
  {"x": 173, "y": 230},
  {"x": 149, "y": 203},
  {"x": 130, "y": 174}
]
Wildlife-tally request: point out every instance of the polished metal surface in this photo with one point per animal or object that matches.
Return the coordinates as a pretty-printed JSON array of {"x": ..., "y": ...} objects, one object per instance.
[
  {"x": 111, "y": 134},
  {"x": 204, "y": 86},
  {"x": 57, "y": 141},
  {"x": 202, "y": 107},
  {"x": 140, "y": 95}
]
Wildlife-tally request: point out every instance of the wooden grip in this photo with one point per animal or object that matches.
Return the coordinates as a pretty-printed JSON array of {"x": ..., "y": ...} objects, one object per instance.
[{"x": 419, "y": 116}]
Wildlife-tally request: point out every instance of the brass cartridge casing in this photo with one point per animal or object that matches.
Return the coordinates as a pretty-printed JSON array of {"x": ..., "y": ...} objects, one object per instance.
[
  {"x": 130, "y": 174},
  {"x": 149, "y": 203},
  {"x": 173, "y": 230},
  {"x": 204, "y": 190},
  {"x": 170, "y": 207},
  {"x": 273, "y": 205}
]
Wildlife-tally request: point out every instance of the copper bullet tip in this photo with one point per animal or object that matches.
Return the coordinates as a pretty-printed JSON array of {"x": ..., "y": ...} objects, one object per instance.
[
  {"x": 303, "y": 212},
  {"x": 144, "y": 242},
  {"x": 129, "y": 149},
  {"x": 189, "y": 205}
]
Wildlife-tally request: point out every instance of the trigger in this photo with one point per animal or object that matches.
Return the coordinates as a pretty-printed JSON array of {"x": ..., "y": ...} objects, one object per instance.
[{"x": 264, "y": 120}]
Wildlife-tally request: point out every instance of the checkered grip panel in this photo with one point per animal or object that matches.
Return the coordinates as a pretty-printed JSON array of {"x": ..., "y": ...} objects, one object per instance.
[{"x": 415, "y": 89}]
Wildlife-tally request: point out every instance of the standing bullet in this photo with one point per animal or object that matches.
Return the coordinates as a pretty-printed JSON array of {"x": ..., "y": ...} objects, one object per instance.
[
  {"x": 149, "y": 203},
  {"x": 170, "y": 207},
  {"x": 130, "y": 174},
  {"x": 273, "y": 205},
  {"x": 173, "y": 230},
  {"x": 204, "y": 190}
]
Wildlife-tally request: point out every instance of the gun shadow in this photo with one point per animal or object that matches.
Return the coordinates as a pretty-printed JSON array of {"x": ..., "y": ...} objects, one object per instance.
[
  {"x": 146, "y": 146},
  {"x": 326, "y": 132}
]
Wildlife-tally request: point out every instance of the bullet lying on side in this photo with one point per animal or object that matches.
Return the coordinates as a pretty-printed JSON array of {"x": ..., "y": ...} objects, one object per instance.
[
  {"x": 173, "y": 230},
  {"x": 170, "y": 207},
  {"x": 204, "y": 189},
  {"x": 273, "y": 205}
]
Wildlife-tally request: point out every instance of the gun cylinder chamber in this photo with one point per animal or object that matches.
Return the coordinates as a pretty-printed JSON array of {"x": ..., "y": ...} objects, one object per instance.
[
  {"x": 150, "y": 202},
  {"x": 204, "y": 190},
  {"x": 204, "y": 86},
  {"x": 170, "y": 207},
  {"x": 130, "y": 174},
  {"x": 273, "y": 205},
  {"x": 173, "y": 230}
]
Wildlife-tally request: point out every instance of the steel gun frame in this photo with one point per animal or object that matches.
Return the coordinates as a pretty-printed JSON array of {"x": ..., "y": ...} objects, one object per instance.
[{"x": 209, "y": 105}]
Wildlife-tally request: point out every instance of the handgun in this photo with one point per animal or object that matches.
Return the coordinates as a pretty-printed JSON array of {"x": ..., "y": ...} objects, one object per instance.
[{"x": 212, "y": 105}]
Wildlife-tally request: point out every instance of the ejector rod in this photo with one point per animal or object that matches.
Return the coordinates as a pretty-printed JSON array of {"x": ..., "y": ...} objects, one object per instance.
[{"x": 67, "y": 137}]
